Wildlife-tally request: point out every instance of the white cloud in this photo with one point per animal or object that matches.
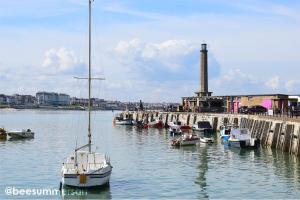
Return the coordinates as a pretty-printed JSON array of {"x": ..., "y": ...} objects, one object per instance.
[
  {"x": 170, "y": 54},
  {"x": 60, "y": 60},
  {"x": 273, "y": 83}
]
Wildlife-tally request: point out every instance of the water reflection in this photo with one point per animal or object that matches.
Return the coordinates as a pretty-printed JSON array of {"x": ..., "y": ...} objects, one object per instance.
[
  {"x": 124, "y": 129},
  {"x": 82, "y": 193},
  {"x": 204, "y": 159},
  {"x": 284, "y": 164},
  {"x": 202, "y": 170},
  {"x": 247, "y": 153},
  {"x": 186, "y": 149},
  {"x": 3, "y": 140},
  {"x": 129, "y": 128},
  {"x": 20, "y": 140}
]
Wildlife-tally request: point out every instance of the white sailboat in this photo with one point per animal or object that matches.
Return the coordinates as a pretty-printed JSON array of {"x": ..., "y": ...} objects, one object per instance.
[{"x": 86, "y": 168}]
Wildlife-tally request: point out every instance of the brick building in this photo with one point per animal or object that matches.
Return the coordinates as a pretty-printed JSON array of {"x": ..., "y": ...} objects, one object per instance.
[{"x": 275, "y": 102}]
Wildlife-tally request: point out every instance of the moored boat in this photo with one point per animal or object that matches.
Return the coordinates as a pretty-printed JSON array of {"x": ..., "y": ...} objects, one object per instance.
[
  {"x": 156, "y": 123},
  {"x": 121, "y": 121},
  {"x": 141, "y": 125},
  {"x": 23, "y": 134},
  {"x": 87, "y": 168},
  {"x": 185, "y": 140},
  {"x": 241, "y": 138},
  {"x": 225, "y": 131},
  {"x": 206, "y": 140},
  {"x": 175, "y": 131},
  {"x": 203, "y": 127},
  {"x": 3, "y": 134},
  {"x": 124, "y": 118},
  {"x": 175, "y": 125}
]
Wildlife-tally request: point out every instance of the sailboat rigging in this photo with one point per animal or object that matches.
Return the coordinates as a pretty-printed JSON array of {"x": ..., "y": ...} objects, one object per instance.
[{"x": 87, "y": 168}]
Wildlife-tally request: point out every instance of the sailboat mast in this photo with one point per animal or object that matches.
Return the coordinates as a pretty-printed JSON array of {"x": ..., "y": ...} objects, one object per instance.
[{"x": 90, "y": 78}]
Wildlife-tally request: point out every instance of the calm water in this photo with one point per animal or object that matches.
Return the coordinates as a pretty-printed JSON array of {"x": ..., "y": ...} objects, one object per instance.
[{"x": 145, "y": 166}]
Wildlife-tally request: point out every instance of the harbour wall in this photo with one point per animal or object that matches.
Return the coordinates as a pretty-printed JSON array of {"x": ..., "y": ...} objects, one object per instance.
[{"x": 278, "y": 133}]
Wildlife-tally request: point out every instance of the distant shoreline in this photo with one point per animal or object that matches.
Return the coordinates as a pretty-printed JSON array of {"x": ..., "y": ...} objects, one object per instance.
[{"x": 53, "y": 108}]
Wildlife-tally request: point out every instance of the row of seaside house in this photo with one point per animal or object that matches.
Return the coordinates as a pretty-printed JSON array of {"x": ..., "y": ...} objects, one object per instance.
[
  {"x": 41, "y": 98},
  {"x": 59, "y": 99},
  {"x": 54, "y": 99}
]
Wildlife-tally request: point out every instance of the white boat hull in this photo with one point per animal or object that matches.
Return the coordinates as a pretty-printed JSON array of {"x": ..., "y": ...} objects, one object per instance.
[
  {"x": 85, "y": 169},
  {"x": 251, "y": 143},
  {"x": 206, "y": 140},
  {"x": 92, "y": 180},
  {"x": 123, "y": 122},
  {"x": 20, "y": 134}
]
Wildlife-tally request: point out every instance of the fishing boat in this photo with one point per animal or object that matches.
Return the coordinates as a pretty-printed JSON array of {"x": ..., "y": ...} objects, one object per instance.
[
  {"x": 85, "y": 168},
  {"x": 241, "y": 138},
  {"x": 203, "y": 127},
  {"x": 185, "y": 140},
  {"x": 3, "y": 134},
  {"x": 22, "y": 134},
  {"x": 225, "y": 130}
]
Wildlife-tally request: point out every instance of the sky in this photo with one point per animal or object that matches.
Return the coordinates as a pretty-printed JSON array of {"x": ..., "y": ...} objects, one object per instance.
[{"x": 149, "y": 49}]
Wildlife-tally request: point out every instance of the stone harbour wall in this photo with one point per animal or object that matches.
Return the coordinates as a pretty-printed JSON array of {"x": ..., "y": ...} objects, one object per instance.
[{"x": 279, "y": 133}]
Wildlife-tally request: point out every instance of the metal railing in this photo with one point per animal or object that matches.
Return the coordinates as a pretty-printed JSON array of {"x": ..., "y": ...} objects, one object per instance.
[{"x": 84, "y": 166}]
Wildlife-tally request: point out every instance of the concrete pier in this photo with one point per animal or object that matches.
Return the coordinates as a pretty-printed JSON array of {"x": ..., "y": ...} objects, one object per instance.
[{"x": 279, "y": 133}]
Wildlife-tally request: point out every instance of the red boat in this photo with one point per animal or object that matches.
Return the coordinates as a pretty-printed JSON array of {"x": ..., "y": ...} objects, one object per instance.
[
  {"x": 175, "y": 125},
  {"x": 185, "y": 127},
  {"x": 142, "y": 125},
  {"x": 156, "y": 124}
]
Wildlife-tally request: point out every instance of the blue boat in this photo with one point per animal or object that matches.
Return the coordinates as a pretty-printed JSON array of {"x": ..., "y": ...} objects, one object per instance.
[{"x": 225, "y": 131}]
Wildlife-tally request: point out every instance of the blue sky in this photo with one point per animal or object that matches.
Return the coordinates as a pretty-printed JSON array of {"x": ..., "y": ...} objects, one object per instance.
[{"x": 150, "y": 49}]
